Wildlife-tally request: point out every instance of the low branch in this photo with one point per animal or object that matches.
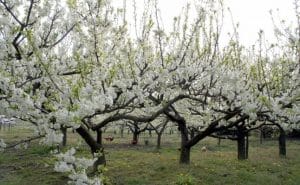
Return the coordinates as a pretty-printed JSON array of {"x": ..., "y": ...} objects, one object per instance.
[
  {"x": 213, "y": 127},
  {"x": 139, "y": 118},
  {"x": 24, "y": 141},
  {"x": 223, "y": 137},
  {"x": 88, "y": 138}
]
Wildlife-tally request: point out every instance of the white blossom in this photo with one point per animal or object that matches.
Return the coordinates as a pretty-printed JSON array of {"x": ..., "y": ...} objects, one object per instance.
[{"x": 2, "y": 145}]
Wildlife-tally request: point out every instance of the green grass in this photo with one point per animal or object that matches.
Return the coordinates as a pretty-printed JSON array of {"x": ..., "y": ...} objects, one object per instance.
[
  {"x": 212, "y": 167},
  {"x": 144, "y": 165},
  {"x": 29, "y": 167}
]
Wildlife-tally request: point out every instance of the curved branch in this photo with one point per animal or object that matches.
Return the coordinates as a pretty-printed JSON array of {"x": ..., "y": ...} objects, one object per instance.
[{"x": 139, "y": 118}]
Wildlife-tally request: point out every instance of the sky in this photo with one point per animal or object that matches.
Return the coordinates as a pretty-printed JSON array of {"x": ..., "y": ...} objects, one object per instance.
[
  {"x": 251, "y": 15},
  {"x": 254, "y": 15}
]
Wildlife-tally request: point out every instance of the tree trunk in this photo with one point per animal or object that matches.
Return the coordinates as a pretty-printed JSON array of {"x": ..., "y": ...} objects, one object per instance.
[
  {"x": 100, "y": 161},
  {"x": 158, "y": 140},
  {"x": 64, "y": 132},
  {"x": 184, "y": 151},
  {"x": 192, "y": 133},
  {"x": 135, "y": 138},
  {"x": 282, "y": 143},
  {"x": 185, "y": 155},
  {"x": 122, "y": 132},
  {"x": 247, "y": 146},
  {"x": 99, "y": 136},
  {"x": 219, "y": 141},
  {"x": 261, "y": 136},
  {"x": 94, "y": 146},
  {"x": 242, "y": 144}
]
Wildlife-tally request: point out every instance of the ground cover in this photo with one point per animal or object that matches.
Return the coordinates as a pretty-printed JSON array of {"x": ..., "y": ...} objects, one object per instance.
[{"x": 145, "y": 165}]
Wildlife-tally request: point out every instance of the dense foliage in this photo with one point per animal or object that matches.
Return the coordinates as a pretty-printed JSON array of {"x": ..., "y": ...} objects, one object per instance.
[{"x": 75, "y": 64}]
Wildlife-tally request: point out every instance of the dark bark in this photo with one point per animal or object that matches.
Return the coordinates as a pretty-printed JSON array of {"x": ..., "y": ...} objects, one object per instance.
[
  {"x": 219, "y": 141},
  {"x": 185, "y": 155},
  {"x": 213, "y": 127},
  {"x": 192, "y": 133},
  {"x": 158, "y": 143},
  {"x": 143, "y": 119},
  {"x": 100, "y": 161},
  {"x": 182, "y": 127},
  {"x": 159, "y": 130},
  {"x": 135, "y": 138},
  {"x": 261, "y": 136},
  {"x": 247, "y": 145},
  {"x": 136, "y": 131},
  {"x": 186, "y": 143},
  {"x": 282, "y": 143},
  {"x": 99, "y": 137},
  {"x": 241, "y": 148},
  {"x": 185, "y": 150},
  {"x": 64, "y": 132},
  {"x": 94, "y": 146},
  {"x": 242, "y": 144}
]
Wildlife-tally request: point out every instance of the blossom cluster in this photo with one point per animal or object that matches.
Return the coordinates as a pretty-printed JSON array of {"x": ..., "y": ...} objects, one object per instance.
[
  {"x": 76, "y": 168},
  {"x": 2, "y": 145}
]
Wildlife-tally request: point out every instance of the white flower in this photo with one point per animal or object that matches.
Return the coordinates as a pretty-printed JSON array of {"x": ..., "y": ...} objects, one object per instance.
[
  {"x": 56, "y": 126},
  {"x": 76, "y": 167},
  {"x": 84, "y": 163},
  {"x": 62, "y": 166},
  {"x": 2, "y": 144},
  {"x": 79, "y": 178},
  {"x": 252, "y": 116},
  {"x": 53, "y": 137}
]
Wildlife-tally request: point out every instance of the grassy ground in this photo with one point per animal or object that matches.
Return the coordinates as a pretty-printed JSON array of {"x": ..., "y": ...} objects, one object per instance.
[
  {"x": 144, "y": 165},
  {"x": 30, "y": 166}
]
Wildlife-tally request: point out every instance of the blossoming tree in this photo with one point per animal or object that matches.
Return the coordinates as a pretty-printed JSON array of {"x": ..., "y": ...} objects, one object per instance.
[{"x": 75, "y": 64}]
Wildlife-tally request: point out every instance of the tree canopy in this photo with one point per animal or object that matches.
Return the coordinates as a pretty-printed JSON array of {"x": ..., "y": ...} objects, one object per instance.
[{"x": 75, "y": 64}]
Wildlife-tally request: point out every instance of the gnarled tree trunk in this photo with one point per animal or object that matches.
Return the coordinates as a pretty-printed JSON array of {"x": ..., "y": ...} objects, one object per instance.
[
  {"x": 99, "y": 136},
  {"x": 95, "y": 147}
]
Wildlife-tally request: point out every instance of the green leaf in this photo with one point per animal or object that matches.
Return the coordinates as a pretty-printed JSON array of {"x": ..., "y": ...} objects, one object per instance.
[{"x": 72, "y": 3}]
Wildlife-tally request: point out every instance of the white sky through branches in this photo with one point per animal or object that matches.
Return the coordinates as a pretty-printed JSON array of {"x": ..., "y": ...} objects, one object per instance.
[
  {"x": 254, "y": 15},
  {"x": 251, "y": 15}
]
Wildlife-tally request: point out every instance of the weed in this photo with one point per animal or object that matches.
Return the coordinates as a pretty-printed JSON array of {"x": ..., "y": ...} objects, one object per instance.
[{"x": 185, "y": 179}]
